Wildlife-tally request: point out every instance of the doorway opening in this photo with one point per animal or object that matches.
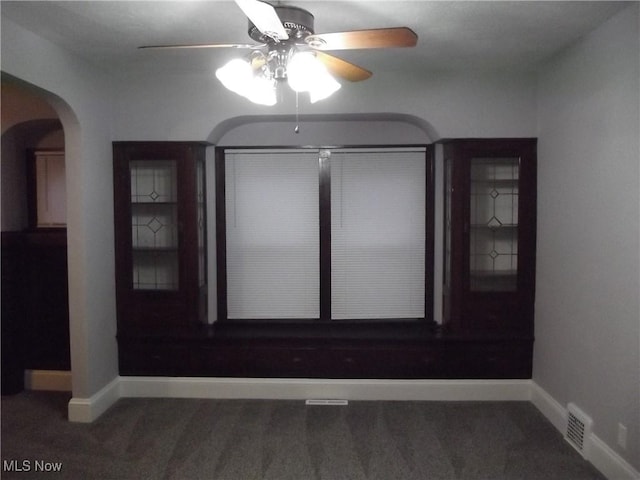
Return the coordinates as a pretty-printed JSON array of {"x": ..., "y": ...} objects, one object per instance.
[{"x": 35, "y": 299}]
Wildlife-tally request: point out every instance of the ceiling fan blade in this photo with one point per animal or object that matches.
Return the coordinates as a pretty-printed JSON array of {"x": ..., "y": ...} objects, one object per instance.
[
  {"x": 360, "y": 39},
  {"x": 203, "y": 45},
  {"x": 342, "y": 68},
  {"x": 264, "y": 17}
]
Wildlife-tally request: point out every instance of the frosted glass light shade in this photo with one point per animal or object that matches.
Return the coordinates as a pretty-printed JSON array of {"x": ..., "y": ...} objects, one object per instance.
[
  {"x": 236, "y": 75},
  {"x": 302, "y": 71},
  {"x": 327, "y": 87},
  {"x": 305, "y": 73},
  {"x": 308, "y": 74},
  {"x": 262, "y": 91}
]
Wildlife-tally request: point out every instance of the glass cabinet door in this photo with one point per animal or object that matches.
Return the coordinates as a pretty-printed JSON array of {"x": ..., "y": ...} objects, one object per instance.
[
  {"x": 493, "y": 232},
  {"x": 154, "y": 224}
]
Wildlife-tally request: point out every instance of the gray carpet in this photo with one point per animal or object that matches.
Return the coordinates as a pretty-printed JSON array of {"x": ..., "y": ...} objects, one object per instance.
[{"x": 256, "y": 439}]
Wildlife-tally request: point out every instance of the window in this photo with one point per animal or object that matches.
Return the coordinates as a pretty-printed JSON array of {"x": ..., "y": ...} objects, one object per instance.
[
  {"x": 272, "y": 234},
  {"x": 330, "y": 234},
  {"x": 378, "y": 234}
]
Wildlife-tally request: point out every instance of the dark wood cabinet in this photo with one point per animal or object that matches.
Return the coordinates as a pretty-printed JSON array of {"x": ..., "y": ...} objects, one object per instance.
[
  {"x": 489, "y": 257},
  {"x": 12, "y": 304},
  {"x": 212, "y": 353},
  {"x": 490, "y": 226},
  {"x": 46, "y": 300},
  {"x": 35, "y": 304},
  {"x": 160, "y": 234}
]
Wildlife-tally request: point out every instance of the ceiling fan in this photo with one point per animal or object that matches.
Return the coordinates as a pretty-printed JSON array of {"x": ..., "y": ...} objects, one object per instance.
[{"x": 288, "y": 48}]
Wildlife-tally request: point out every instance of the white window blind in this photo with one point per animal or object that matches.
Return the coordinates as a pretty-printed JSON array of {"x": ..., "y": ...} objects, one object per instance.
[
  {"x": 272, "y": 234},
  {"x": 378, "y": 234}
]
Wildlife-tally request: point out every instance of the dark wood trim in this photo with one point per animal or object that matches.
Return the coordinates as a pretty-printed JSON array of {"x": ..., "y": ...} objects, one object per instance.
[
  {"x": 453, "y": 302},
  {"x": 324, "y": 176},
  {"x": 527, "y": 234},
  {"x": 122, "y": 231},
  {"x": 221, "y": 234},
  {"x": 203, "y": 291},
  {"x": 185, "y": 175},
  {"x": 429, "y": 244},
  {"x": 32, "y": 189}
]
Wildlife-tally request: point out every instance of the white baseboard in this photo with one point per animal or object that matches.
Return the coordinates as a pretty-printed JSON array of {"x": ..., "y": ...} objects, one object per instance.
[
  {"x": 302, "y": 389},
  {"x": 601, "y": 455},
  {"x": 51, "y": 380},
  {"x": 86, "y": 410},
  {"x": 612, "y": 465},
  {"x": 550, "y": 407}
]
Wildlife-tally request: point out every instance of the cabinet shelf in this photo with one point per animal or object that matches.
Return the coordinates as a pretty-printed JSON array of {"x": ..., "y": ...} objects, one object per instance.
[
  {"x": 504, "y": 226},
  {"x": 498, "y": 183},
  {"x": 155, "y": 249},
  {"x": 159, "y": 204}
]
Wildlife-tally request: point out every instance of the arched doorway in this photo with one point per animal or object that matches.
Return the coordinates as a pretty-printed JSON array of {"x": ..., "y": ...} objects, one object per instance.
[{"x": 35, "y": 303}]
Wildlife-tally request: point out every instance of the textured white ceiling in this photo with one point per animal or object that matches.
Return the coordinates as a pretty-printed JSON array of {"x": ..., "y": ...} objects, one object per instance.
[{"x": 452, "y": 34}]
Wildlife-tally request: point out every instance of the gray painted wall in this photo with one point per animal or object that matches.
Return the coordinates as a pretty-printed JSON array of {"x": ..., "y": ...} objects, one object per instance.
[
  {"x": 194, "y": 106},
  {"x": 587, "y": 310},
  {"x": 81, "y": 96}
]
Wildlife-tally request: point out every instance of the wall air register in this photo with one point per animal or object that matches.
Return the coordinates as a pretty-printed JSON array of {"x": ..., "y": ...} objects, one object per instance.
[{"x": 578, "y": 429}]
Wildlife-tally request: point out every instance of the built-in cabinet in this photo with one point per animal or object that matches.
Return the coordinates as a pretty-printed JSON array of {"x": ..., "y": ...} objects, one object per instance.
[
  {"x": 490, "y": 221},
  {"x": 487, "y": 330},
  {"x": 160, "y": 234}
]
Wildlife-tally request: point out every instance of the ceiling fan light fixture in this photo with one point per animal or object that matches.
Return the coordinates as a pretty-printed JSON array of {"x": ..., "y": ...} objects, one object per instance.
[
  {"x": 262, "y": 91},
  {"x": 256, "y": 78},
  {"x": 306, "y": 73},
  {"x": 239, "y": 76},
  {"x": 302, "y": 71},
  {"x": 236, "y": 75},
  {"x": 324, "y": 89}
]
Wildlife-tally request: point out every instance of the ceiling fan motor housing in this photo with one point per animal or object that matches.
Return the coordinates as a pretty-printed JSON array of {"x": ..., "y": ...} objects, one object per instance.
[{"x": 297, "y": 22}]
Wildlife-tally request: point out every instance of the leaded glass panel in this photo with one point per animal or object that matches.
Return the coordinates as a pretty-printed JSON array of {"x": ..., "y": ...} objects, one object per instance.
[
  {"x": 493, "y": 255},
  {"x": 155, "y": 270},
  {"x": 154, "y": 224}
]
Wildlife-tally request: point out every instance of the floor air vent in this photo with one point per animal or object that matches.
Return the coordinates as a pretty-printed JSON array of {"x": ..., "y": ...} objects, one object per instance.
[
  {"x": 578, "y": 429},
  {"x": 323, "y": 401}
]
